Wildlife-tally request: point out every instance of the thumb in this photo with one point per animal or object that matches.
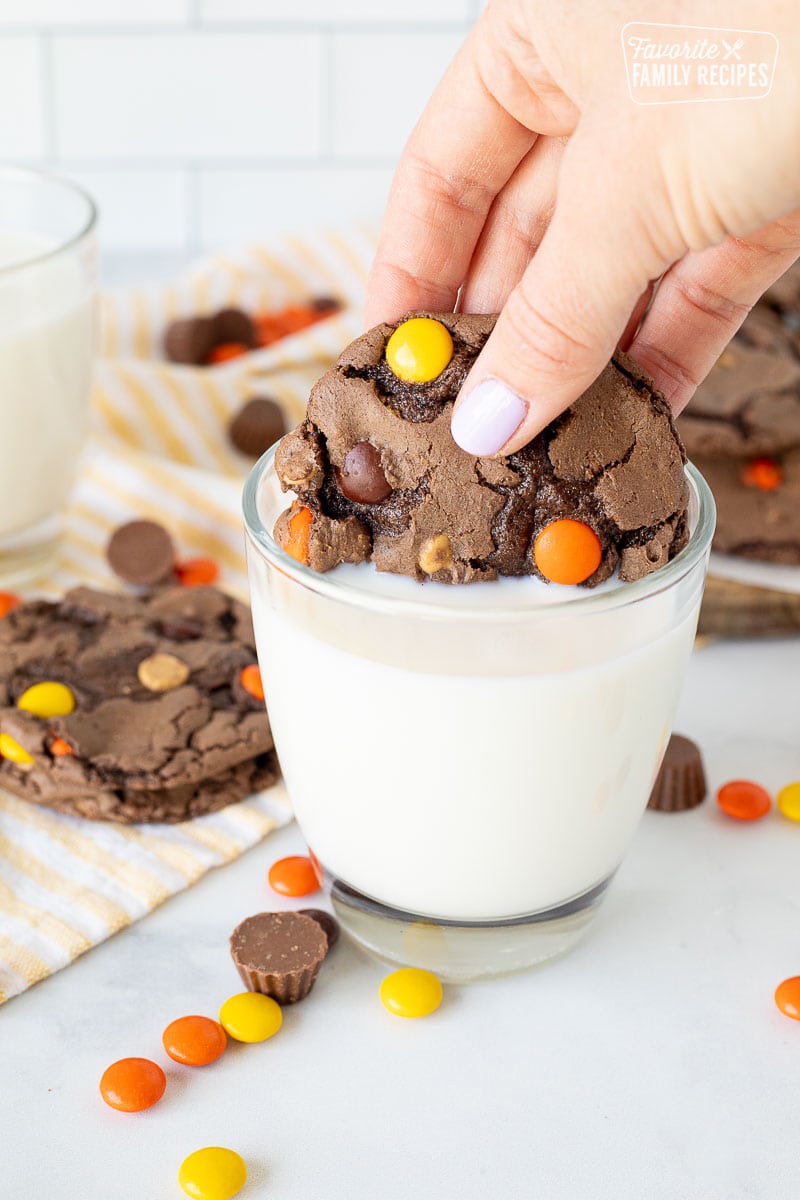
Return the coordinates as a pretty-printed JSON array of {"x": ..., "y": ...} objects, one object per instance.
[{"x": 560, "y": 325}]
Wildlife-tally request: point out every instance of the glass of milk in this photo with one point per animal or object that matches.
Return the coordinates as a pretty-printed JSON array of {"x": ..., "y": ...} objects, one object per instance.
[
  {"x": 48, "y": 282},
  {"x": 468, "y": 763}
]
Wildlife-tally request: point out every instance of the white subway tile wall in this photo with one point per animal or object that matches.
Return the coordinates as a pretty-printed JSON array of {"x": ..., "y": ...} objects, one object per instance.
[{"x": 200, "y": 123}]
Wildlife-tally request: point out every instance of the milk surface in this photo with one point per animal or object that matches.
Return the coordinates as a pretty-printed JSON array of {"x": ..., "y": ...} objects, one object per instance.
[{"x": 45, "y": 365}]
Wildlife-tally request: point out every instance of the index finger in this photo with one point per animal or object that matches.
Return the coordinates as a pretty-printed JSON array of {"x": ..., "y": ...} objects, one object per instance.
[{"x": 463, "y": 150}]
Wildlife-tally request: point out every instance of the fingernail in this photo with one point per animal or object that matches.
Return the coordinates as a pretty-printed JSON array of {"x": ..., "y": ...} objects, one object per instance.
[{"x": 486, "y": 417}]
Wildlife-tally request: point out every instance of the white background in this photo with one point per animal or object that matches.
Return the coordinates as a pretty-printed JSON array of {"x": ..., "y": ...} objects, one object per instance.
[{"x": 200, "y": 122}]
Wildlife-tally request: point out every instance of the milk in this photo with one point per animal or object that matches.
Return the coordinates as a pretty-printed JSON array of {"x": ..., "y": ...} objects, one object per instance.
[
  {"x": 45, "y": 364},
  {"x": 469, "y": 753}
]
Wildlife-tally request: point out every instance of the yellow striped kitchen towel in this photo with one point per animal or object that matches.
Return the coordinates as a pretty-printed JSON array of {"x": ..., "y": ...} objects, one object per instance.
[{"x": 159, "y": 449}]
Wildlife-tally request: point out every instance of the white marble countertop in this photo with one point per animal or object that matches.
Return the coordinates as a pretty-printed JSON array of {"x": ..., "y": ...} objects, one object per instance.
[{"x": 650, "y": 1063}]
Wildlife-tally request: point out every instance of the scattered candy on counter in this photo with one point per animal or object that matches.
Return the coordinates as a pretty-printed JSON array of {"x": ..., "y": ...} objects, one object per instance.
[
  {"x": 8, "y": 600},
  {"x": 133, "y": 1084},
  {"x": 411, "y": 992},
  {"x": 787, "y": 997},
  {"x": 194, "y": 1041},
  {"x": 250, "y": 679},
  {"x": 567, "y": 552},
  {"x": 788, "y": 801},
  {"x": 330, "y": 926},
  {"x": 279, "y": 954},
  {"x": 294, "y": 876},
  {"x": 681, "y": 780},
  {"x": 419, "y": 350},
  {"x": 251, "y": 1017},
  {"x": 197, "y": 572},
  {"x": 744, "y": 800},
  {"x": 213, "y": 1173}
]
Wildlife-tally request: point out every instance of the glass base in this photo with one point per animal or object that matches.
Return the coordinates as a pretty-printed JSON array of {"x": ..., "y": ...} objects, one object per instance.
[
  {"x": 27, "y": 556},
  {"x": 461, "y": 952}
]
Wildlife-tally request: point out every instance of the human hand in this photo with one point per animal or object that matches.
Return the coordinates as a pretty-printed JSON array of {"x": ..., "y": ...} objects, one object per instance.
[{"x": 535, "y": 186}]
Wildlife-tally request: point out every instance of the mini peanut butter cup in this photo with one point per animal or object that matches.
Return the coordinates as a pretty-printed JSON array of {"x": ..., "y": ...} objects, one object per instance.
[
  {"x": 681, "y": 782},
  {"x": 279, "y": 954}
]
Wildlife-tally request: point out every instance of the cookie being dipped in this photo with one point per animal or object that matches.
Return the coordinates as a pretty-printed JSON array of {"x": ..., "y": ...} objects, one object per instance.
[{"x": 377, "y": 476}]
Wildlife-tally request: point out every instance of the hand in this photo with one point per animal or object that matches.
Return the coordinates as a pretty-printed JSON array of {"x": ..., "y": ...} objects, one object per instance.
[{"x": 535, "y": 186}]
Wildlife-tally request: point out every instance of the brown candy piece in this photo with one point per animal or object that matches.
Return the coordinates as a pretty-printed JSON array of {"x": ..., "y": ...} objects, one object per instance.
[
  {"x": 328, "y": 922},
  {"x": 189, "y": 341},
  {"x": 279, "y": 954},
  {"x": 681, "y": 782},
  {"x": 325, "y": 304},
  {"x": 362, "y": 479},
  {"x": 141, "y": 552},
  {"x": 234, "y": 325},
  {"x": 256, "y": 426},
  {"x": 162, "y": 672}
]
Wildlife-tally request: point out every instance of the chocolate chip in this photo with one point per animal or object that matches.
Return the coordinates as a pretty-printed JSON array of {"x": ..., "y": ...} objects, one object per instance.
[
  {"x": 233, "y": 325},
  {"x": 190, "y": 340},
  {"x": 141, "y": 552},
  {"x": 325, "y": 304},
  {"x": 257, "y": 425},
  {"x": 327, "y": 921},
  {"x": 362, "y": 479}
]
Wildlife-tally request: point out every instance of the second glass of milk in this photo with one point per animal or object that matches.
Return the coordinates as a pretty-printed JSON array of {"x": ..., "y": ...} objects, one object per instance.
[
  {"x": 48, "y": 282},
  {"x": 468, "y": 763}
]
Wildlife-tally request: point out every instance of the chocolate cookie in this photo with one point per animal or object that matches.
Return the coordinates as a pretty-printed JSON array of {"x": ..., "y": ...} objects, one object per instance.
[
  {"x": 378, "y": 475},
  {"x": 116, "y": 734},
  {"x": 758, "y": 506},
  {"x": 748, "y": 405}
]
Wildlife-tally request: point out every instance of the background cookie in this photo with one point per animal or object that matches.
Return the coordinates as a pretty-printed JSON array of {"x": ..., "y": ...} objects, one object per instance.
[
  {"x": 379, "y": 476},
  {"x": 134, "y": 744}
]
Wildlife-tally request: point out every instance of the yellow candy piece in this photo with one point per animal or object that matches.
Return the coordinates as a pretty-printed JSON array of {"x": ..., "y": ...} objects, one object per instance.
[
  {"x": 213, "y": 1173},
  {"x": 47, "y": 700},
  {"x": 411, "y": 992},
  {"x": 15, "y": 753},
  {"x": 789, "y": 801},
  {"x": 419, "y": 350},
  {"x": 251, "y": 1017}
]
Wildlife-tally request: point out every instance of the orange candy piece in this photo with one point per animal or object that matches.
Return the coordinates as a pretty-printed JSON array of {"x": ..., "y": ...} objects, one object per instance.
[
  {"x": 8, "y": 601},
  {"x": 293, "y": 876},
  {"x": 133, "y": 1084},
  {"x": 60, "y": 749},
  {"x": 296, "y": 543},
  {"x": 567, "y": 552},
  {"x": 744, "y": 800},
  {"x": 250, "y": 679},
  {"x": 763, "y": 473},
  {"x": 194, "y": 1041},
  {"x": 225, "y": 351},
  {"x": 197, "y": 572},
  {"x": 787, "y": 997}
]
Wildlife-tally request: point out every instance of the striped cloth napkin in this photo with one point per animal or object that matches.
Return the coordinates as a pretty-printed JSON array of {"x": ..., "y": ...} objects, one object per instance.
[{"x": 159, "y": 449}]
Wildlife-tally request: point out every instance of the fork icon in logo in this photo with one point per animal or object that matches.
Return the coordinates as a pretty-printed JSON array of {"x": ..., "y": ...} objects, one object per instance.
[{"x": 732, "y": 50}]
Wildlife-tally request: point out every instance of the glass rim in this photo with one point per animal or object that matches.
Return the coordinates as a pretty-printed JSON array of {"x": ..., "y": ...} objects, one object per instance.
[
  {"x": 35, "y": 175},
  {"x": 344, "y": 592}
]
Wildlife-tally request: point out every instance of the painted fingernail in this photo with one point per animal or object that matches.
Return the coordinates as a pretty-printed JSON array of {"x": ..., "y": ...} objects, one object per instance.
[{"x": 486, "y": 417}]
